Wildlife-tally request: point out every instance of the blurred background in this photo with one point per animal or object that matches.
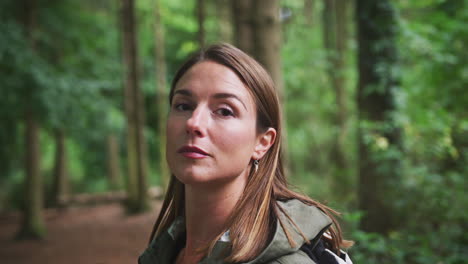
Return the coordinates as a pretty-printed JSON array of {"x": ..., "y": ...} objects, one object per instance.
[{"x": 375, "y": 104}]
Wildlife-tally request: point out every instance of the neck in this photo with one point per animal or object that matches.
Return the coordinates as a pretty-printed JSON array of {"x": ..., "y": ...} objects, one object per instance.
[{"x": 207, "y": 208}]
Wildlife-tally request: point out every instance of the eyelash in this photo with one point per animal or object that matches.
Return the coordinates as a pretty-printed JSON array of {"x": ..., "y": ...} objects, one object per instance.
[
  {"x": 223, "y": 111},
  {"x": 178, "y": 106}
]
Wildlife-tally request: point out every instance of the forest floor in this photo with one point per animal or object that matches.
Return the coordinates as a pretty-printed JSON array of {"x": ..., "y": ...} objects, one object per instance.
[{"x": 101, "y": 234}]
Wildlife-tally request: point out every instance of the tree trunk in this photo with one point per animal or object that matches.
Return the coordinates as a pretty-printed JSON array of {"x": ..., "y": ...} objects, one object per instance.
[
  {"x": 267, "y": 49},
  {"x": 113, "y": 162},
  {"x": 379, "y": 167},
  {"x": 335, "y": 37},
  {"x": 267, "y": 39},
  {"x": 33, "y": 225},
  {"x": 200, "y": 9},
  {"x": 224, "y": 15},
  {"x": 161, "y": 93},
  {"x": 60, "y": 187},
  {"x": 134, "y": 109},
  {"x": 243, "y": 24},
  {"x": 309, "y": 12}
]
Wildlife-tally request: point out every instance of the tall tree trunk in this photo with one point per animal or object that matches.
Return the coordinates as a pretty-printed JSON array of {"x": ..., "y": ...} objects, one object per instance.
[
  {"x": 161, "y": 92},
  {"x": 379, "y": 167},
  {"x": 267, "y": 39},
  {"x": 335, "y": 38},
  {"x": 60, "y": 187},
  {"x": 243, "y": 24},
  {"x": 134, "y": 108},
  {"x": 113, "y": 162},
  {"x": 200, "y": 8},
  {"x": 224, "y": 17},
  {"x": 309, "y": 11},
  {"x": 258, "y": 32},
  {"x": 328, "y": 24},
  {"x": 33, "y": 225},
  {"x": 266, "y": 48}
]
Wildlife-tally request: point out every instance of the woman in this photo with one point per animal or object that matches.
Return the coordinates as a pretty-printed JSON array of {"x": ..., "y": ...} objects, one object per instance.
[{"x": 228, "y": 200}]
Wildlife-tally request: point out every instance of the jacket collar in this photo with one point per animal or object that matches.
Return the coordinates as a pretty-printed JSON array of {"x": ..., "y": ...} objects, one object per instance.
[{"x": 309, "y": 219}]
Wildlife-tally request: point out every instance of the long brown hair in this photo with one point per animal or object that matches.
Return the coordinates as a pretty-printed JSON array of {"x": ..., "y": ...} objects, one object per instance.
[{"x": 249, "y": 233}]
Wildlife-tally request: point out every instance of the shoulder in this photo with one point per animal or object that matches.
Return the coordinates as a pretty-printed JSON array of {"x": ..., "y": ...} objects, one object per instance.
[
  {"x": 303, "y": 219},
  {"x": 296, "y": 223},
  {"x": 293, "y": 258},
  {"x": 303, "y": 213}
]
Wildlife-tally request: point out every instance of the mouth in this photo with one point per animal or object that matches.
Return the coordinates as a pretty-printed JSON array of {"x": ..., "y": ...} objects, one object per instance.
[{"x": 193, "y": 152}]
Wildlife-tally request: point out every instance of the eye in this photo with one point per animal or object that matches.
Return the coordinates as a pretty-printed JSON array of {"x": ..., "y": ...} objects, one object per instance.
[
  {"x": 225, "y": 112},
  {"x": 182, "y": 107}
]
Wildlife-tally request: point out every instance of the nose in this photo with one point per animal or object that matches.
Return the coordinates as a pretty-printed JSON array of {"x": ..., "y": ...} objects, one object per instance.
[{"x": 196, "y": 124}]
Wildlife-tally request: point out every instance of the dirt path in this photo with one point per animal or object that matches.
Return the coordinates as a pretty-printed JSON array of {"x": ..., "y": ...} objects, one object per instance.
[{"x": 93, "y": 235}]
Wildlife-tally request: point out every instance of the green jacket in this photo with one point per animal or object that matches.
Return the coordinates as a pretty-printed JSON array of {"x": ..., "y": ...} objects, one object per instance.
[{"x": 310, "y": 220}]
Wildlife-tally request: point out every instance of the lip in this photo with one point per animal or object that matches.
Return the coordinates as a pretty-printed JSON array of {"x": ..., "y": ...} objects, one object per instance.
[{"x": 193, "y": 152}]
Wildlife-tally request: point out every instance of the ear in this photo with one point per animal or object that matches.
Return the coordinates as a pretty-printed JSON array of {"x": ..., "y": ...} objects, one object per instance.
[{"x": 264, "y": 141}]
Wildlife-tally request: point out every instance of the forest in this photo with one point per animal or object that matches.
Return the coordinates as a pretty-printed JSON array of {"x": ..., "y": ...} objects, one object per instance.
[{"x": 374, "y": 96}]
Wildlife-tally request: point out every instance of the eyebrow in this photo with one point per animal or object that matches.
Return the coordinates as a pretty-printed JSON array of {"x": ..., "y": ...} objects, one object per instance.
[
  {"x": 183, "y": 92},
  {"x": 217, "y": 96}
]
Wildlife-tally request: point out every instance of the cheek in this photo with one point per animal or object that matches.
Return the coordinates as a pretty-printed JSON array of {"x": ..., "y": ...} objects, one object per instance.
[
  {"x": 239, "y": 138},
  {"x": 173, "y": 128}
]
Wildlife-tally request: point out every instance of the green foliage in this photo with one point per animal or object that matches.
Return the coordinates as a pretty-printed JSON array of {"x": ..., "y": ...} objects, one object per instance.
[
  {"x": 405, "y": 246},
  {"x": 432, "y": 197},
  {"x": 432, "y": 111},
  {"x": 310, "y": 104},
  {"x": 65, "y": 78}
]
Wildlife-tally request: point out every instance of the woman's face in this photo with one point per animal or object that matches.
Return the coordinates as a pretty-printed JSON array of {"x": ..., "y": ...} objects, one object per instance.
[{"x": 211, "y": 128}]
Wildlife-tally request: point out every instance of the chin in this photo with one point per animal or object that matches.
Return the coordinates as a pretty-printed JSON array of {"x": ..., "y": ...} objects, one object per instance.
[
  {"x": 192, "y": 176},
  {"x": 198, "y": 177}
]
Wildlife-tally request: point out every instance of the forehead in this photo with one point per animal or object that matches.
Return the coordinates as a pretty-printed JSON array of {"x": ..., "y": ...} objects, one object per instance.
[{"x": 209, "y": 77}]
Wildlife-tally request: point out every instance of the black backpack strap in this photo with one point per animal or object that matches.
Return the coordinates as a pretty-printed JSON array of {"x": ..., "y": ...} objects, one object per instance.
[{"x": 318, "y": 253}]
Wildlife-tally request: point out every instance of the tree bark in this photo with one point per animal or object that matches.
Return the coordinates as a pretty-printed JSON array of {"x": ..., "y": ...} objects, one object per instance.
[
  {"x": 60, "y": 185},
  {"x": 33, "y": 225},
  {"x": 161, "y": 93},
  {"x": 244, "y": 24},
  {"x": 335, "y": 38},
  {"x": 328, "y": 25},
  {"x": 200, "y": 9},
  {"x": 267, "y": 50},
  {"x": 379, "y": 170},
  {"x": 267, "y": 39},
  {"x": 134, "y": 108},
  {"x": 309, "y": 12},
  {"x": 113, "y": 162}
]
